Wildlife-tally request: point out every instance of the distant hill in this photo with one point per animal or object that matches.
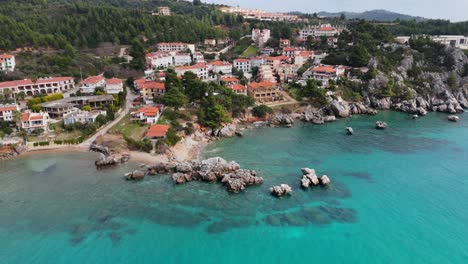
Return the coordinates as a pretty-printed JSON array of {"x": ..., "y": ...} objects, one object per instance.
[{"x": 373, "y": 15}]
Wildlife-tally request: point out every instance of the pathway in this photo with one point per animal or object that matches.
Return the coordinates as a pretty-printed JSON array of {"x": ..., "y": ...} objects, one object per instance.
[{"x": 103, "y": 130}]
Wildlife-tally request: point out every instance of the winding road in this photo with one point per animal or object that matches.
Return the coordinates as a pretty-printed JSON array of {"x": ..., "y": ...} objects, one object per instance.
[{"x": 128, "y": 105}]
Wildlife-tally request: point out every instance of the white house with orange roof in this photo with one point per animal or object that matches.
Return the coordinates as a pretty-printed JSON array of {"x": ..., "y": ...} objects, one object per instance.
[
  {"x": 199, "y": 69},
  {"x": 229, "y": 80},
  {"x": 243, "y": 65},
  {"x": 325, "y": 73},
  {"x": 31, "y": 121},
  {"x": 291, "y": 52},
  {"x": 147, "y": 114},
  {"x": 238, "y": 88},
  {"x": 302, "y": 57},
  {"x": 114, "y": 86},
  {"x": 7, "y": 111},
  {"x": 40, "y": 86},
  {"x": 284, "y": 43},
  {"x": 159, "y": 59},
  {"x": 7, "y": 62},
  {"x": 222, "y": 67},
  {"x": 89, "y": 85},
  {"x": 149, "y": 89}
]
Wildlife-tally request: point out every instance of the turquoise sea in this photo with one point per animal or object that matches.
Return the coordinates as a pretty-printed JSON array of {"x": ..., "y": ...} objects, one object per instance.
[{"x": 397, "y": 196}]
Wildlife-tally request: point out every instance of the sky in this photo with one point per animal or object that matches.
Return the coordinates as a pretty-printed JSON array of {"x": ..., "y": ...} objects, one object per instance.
[{"x": 454, "y": 10}]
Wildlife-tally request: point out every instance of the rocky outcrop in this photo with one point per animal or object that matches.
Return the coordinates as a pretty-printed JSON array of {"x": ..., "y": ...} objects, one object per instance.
[
  {"x": 282, "y": 120},
  {"x": 349, "y": 131},
  {"x": 100, "y": 149},
  {"x": 136, "y": 175},
  {"x": 280, "y": 190},
  {"x": 210, "y": 170},
  {"x": 380, "y": 125},
  {"x": 324, "y": 180},
  {"x": 310, "y": 178},
  {"x": 109, "y": 160},
  {"x": 339, "y": 109}
]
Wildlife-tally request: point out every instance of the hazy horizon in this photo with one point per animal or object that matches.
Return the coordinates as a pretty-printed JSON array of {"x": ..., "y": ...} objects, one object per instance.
[{"x": 455, "y": 11}]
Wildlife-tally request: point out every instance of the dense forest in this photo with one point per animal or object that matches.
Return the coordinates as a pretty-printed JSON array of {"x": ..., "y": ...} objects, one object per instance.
[{"x": 49, "y": 23}]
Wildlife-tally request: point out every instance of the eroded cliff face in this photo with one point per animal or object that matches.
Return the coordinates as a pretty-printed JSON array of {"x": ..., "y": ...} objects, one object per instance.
[{"x": 416, "y": 86}]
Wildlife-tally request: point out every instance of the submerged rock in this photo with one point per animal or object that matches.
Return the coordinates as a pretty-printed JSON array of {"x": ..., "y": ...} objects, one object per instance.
[
  {"x": 453, "y": 118},
  {"x": 349, "y": 131},
  {"x": 380, "y": 125},
  {"x": 136, "y": 175}
]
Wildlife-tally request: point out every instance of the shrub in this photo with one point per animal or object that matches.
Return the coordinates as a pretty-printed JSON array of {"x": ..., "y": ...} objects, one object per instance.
[
  {"x": 261, "y": 110},
  {"x": 58, "y": 142}
]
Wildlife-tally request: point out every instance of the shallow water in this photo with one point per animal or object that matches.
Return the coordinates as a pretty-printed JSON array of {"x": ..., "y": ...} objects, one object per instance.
[{"x": 397, "y": 196}]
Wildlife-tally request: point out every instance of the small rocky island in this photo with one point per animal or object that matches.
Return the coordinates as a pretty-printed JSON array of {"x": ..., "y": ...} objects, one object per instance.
[
  {"x": 310, "y": 178},
  {"x": 210, "y": 170}
]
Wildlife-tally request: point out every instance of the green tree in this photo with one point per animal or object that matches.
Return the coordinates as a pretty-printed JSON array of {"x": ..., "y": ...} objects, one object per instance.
[
  {"x": 261, "y": 111},
  {"x": 212, "y": 114},
  {"x": 359, "y": 56},
  {"x": 87, "y": 108},
  {"x": 174, "y": 98}
]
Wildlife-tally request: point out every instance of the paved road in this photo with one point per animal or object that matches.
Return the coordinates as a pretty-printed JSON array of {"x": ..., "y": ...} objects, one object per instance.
[{"x": 128, "y": 105}]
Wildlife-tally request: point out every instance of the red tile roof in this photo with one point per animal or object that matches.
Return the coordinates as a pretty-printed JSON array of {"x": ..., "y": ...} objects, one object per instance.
[
  {"x": 6, "y": 56},
  {"x": 93, "y": 80},
  {"x": 114, "y": 81},
  {"x": 219, "y": 63},
  {"x": 157, "y": 131},
  {"x": 237, "y": 87},
  {"x": 229, "y": 79},
  {"x": 278, "y": 58},
  {"x": 241, "y": 60},
  {"x": 148, "y": 110},
  {"x": 256, "y": 85},
  {"x": 326, "y": 29},
  {"x": 8, "y": 108},
  {"x": 24, "y": 82},
  {"x": 327, "y": 69},
  {"x": 192, "y": 67},
  {"x": 31, "y": 116},
  {"x": 145, "y": 84}
]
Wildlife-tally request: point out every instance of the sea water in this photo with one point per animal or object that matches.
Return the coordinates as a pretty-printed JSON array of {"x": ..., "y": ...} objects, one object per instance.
[{"x": 398, "y": 195}]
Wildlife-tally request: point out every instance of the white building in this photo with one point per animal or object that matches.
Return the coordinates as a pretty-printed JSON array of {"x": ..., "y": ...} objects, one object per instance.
[
  {"x": 175, "y": 46},
  {"x": 325, "y": 73},
  {"x": 7, "y": 63},
  {"x": 223, "y": 67},
  {"x": 40, "y": 86},
  {"x": 325, "y": 30},
  {"x": 460, "y": 42},
  {"x": 32, "y": 121},
  {"x": 89, "y": 85},
  {"x": 200, "y": 69},
  {"x": 80, "y": 116},
  {"x": 257, "y": 61},
  {"x": 243, "y": 65},
  {"x": 198, "y": 57},
  {"x": 7, "y": 111},
  {"x": 159, "y": 59},
  {"x": 260, "y": 37},
  {"x": 181, "y": 58},
  {"x": 147, "y": 114},
  {"x": 114, "y": 86}
]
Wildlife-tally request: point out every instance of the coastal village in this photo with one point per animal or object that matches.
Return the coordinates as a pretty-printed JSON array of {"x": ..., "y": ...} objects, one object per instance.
[{"x": 155, "y": 113}]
